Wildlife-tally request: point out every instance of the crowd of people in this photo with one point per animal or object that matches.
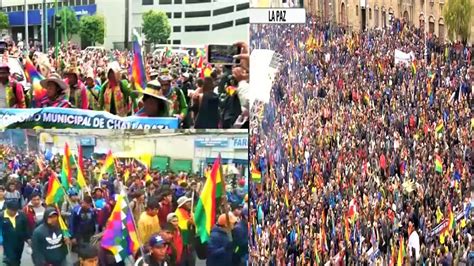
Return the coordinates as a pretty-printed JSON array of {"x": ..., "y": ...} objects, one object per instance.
[
  {"x": 162, "y": 204},
  {"x": 363, "y": 160},
  {"x": 199, "y": 94}
]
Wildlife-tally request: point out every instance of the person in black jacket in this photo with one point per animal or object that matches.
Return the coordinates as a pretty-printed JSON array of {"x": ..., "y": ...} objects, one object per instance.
[
  {"x": 83, "y": 223},
  {"x": 48, "y": 242},
  {"x": 14, "y": 232}
]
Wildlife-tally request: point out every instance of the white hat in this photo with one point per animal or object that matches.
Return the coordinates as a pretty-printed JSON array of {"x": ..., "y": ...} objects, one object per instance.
[{"x": 182, "y": 200}]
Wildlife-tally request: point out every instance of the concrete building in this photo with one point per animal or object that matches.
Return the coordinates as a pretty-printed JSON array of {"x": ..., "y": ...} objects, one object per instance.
[
  {"x": 193, "y": 22},
  {"x": 198, "y": 22},
  {"x": 361, "y": 14},
  {"x": 168, "y": 150}
]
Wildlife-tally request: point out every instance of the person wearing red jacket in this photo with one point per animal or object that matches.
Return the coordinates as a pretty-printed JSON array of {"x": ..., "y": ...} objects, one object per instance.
[
  {"x": 177, "y": 238},
  {"x": 34, "y": 211},
  {"x": 165, "y": 206}
]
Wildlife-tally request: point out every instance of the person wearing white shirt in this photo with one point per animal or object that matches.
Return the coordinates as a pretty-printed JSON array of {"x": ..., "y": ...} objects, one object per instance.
[{"x": 414, "y": 242}]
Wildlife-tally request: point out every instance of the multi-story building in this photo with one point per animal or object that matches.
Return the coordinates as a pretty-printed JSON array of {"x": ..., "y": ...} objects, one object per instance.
[
  {"x": 362, "y": 14},
  {"x": 196, "y": 22}
]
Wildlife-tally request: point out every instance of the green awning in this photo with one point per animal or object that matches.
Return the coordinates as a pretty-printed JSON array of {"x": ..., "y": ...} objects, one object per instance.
[
  {"x": 178, "y": 165},
  {"x": 160, "y": 163}
]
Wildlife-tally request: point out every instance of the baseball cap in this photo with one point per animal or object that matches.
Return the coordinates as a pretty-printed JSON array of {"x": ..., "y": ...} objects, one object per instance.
[
  {"x": 171, "y": 216},
  {"x": 156, "y": 241}
]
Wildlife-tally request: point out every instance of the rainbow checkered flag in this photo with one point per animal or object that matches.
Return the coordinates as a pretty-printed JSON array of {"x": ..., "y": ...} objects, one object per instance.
[{"x": 120, "y": 236}]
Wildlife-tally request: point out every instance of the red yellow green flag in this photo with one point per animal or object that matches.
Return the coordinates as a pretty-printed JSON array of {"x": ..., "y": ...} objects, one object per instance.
[
  {"x": 401, "y": 252},
  {"x": 109, "y": 165},
  {"x": 205, "y": 215},
  {"x": 55, "y": 192},
  {"x": 438, "y": 164},
  {"x": 66, "y": 171}
]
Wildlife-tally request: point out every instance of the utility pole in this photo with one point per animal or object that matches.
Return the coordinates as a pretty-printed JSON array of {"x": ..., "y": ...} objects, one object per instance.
[
  {"x": 44, "y": 24},
  {"x": 27, "y": 37},
  {"x": 56, "y": 33},
  {"x": 126, "y": 23}
]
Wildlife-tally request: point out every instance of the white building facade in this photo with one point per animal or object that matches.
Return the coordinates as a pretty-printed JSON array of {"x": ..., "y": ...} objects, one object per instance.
[
  {"x": 193, "y": 22},
  {"x": 198, "y": 22}
]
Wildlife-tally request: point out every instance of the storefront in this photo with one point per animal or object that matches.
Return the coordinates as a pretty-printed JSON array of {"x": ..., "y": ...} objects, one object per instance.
[{"x": 233, "y": 151}]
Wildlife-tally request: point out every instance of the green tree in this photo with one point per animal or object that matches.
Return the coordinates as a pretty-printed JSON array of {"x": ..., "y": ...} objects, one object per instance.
[
  {"x": 156, "y": 26},
  {"x": 92, "y": 29},
  {"x": 72, "y": 23},
  {"x": 458, "y": 16},
  {"x": 4, "y": 24}
]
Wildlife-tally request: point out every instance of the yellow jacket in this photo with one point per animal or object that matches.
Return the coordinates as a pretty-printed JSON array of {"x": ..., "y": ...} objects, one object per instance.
[{"x": 147, "y": 226}]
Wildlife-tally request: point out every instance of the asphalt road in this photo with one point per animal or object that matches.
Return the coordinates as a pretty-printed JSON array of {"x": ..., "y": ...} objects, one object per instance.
[{"x": 26, "y": 258}]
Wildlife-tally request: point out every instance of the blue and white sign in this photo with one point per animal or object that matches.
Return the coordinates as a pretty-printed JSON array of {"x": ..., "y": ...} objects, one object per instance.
[
  {"x": 87, "y": 142},
  {"x": 17, "y": 18},
  {"x": 241, "y": 143},
  {"x": 211, "y": 142}
]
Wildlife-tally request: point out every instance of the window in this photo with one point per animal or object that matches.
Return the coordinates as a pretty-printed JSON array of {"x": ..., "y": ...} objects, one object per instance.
[
  {"x": 243, "y": 6},
  {"x": 31, "y": 7},
  {"x": 168, "y": 14},
  {"x": 370, "y": 13},
  {"x": 223, "y": 25},
  {"x": 20, "y": 8},
  {"x": 91, "y": 2},
  {"x": 197, "y": 1},
  {"x": 357, "y": 10},
  {"x": 176, "y": 41},
  {"x": 85, "y": 2},
  {"x": 78, "y": 2},
  {"x": 224, "y": 10},
  {"x": 178, "y": 1},
  {"x": 71, "y": 2},
  {"x": 176, "y": 28},
  {"x": 197, "y": 14},
  {"x": 178, "y": 15},
  {"x": 13, "y": 8},
  {"x": 242, "y": 21},
  {"x": 147, "y": 2},
  {"x": 165, "y": 2},
  {"x": 196, "y": 28}
]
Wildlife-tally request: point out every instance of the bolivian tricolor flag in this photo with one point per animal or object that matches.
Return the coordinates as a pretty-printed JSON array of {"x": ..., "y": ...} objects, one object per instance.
[
  {"x": 66, "y": 171},
  {"x": 109, "y": 165},
  {"x": 438, "y": 164},
  {"x": 205, "y": 215},
  {"x": 440, "y": 128},
  {"x": 401, "y": 252},
  {"x": 55, "y": 192},
  {"x": 255, "y": 172},
  {"x": 287, "y": 203},
  {"x": 413, "y": 67}
]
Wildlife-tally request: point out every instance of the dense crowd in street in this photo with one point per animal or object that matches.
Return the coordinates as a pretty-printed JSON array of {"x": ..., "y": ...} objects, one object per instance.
[
  {"x": 363, "y": 160},
  {"x": 172, "y": 84},
  {"x": 162, "y": 204}
]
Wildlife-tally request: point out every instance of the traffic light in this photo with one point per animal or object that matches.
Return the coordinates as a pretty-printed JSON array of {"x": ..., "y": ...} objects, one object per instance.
[{"x": 57, "y": 21}]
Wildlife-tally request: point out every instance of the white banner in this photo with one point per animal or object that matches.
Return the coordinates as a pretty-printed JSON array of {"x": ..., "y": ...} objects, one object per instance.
[{"x": 402, "y": 57}]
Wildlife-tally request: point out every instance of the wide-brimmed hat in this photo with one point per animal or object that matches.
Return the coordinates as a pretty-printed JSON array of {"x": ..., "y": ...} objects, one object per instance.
[
  {"x": 165, "y": 75},
  {"x": 53, "y": 77},
  {"x": 183, "y": 200},
  {"x": 153, "y": 89}
]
